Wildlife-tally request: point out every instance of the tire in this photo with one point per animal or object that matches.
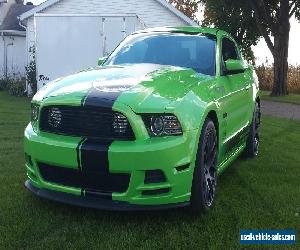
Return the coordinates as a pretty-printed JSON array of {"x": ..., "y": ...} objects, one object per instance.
[
  {"x": 252, "y": 144},
  {"x": 205, "y": 173}
]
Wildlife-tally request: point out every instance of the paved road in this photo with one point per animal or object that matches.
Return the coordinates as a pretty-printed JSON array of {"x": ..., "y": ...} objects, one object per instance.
[{"x": 280, "y": 109}]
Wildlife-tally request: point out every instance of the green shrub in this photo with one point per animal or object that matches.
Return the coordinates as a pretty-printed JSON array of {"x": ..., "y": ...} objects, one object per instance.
[
  {"x": 16, "y": 87},
  {"x": 3, "y": 84},
  {"x": 265, "y": 75}
]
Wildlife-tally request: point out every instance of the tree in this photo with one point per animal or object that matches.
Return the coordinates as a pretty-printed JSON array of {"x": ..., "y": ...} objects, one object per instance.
[
  {"x": 248, "y": 20},
  {"x": 187, "y": 7},
  {"x": 31, "y": 71},
  {"x": 218, "y": 13}
]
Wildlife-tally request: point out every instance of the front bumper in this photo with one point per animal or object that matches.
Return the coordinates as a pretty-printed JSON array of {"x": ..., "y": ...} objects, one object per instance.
[
  {"x": 125, "y": 157},
  {"x": 96, "y": 202}
]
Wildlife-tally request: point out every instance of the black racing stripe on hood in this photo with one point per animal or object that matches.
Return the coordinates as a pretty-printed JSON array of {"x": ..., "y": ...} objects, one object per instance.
[
  {"x": 97, "y": 98},
  {"x": 93, "y": 154}
]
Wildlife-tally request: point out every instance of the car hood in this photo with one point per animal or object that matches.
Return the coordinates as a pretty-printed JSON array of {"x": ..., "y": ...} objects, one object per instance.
[{"x": 145, "y": 87}]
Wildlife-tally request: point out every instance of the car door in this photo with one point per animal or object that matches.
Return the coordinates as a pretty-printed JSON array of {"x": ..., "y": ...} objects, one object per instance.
[
  {"x": 237, "y": 86},
  {"x": 231, "y": 90}
]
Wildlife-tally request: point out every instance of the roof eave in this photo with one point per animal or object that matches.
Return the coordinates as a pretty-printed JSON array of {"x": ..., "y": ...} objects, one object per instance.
[
  {"x": 13, "y": 32},
  {"x": 38, "y": 8},
  {"x": 178, "y": 13},
  {"x": 164, "y": 3}
]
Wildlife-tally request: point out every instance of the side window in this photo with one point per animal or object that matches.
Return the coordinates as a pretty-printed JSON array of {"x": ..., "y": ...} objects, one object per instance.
[{"x": 229, "y": 50}]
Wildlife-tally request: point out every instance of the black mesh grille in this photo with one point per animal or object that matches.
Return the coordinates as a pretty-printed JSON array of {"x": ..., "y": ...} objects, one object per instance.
[
  {"x": 91, "y": 122},
  {"x": 100, "y": 182}
]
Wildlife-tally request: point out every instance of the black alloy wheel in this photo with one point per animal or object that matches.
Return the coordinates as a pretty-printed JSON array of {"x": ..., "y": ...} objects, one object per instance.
[
  {"x": 205, "y": 173},
  {"x": 252, "y": 146}
]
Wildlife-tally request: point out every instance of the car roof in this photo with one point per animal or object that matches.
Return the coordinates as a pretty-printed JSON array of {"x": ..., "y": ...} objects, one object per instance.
[{"x": 183, "y": 29}]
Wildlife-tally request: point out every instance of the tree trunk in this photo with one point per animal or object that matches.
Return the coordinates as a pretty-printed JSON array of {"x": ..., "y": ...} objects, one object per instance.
[{"x": 281, "y": 48}]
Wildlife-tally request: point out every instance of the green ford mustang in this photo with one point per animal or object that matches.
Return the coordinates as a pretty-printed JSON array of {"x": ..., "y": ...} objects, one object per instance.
[{"x": 150, "y": 128}]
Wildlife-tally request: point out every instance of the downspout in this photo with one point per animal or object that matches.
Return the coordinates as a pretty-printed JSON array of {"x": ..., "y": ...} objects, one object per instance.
[
  {"x": 6, "y": 48},
  {"x": 4, "y": 55},
  {"x": 22, "y": 25},
  {"x": 25, "y": 28}
]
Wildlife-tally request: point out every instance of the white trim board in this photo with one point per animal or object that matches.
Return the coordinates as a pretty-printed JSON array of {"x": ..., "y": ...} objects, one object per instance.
[{"x": 85, "y": 15}]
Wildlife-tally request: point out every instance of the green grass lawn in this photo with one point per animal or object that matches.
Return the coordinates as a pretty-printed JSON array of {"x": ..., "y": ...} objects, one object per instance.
[
  {"x": 262, "y": 193},
  {"x": 291, "y": 98}
]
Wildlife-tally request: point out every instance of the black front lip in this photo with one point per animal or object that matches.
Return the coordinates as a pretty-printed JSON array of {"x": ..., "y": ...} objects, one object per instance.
[{"x": 98, "y": 203}]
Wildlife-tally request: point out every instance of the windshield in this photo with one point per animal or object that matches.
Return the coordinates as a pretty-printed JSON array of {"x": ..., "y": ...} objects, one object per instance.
[{"x": 183, "y": 50}]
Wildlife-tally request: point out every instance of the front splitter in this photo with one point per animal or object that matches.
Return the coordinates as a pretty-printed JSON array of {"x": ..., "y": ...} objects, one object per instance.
[{"x": 97, "y": 202}]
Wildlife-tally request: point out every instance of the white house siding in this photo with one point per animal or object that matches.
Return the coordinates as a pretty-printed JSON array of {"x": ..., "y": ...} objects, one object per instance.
[
  {"x": 152, "y": 13},
  {"x": 16, "y": 56}
]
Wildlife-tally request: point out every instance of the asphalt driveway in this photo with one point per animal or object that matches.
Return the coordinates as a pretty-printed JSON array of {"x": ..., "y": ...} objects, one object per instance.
[{"x": 281, "y": 109}]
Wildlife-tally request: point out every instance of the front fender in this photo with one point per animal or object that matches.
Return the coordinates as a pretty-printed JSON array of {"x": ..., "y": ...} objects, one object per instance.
[{"x": 192, "y": 111}]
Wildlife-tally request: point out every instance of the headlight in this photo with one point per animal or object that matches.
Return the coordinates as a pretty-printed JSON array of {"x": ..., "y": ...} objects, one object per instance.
[
  {"x": 162, "y": 125},
  {"x": 34, "y": 112}
]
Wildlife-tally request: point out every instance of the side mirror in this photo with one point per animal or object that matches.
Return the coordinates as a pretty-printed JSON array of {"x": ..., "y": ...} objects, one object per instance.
[
  {"x": 235, "y": 67},
  {"x": 101, "y": 60}
]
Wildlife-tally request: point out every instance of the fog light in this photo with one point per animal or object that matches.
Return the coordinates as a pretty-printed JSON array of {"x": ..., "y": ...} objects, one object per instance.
[{"x": 154, "y": 176}]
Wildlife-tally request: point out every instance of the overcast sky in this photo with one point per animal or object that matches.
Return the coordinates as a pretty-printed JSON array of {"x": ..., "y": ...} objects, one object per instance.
[{"x": 261, "y": 51}]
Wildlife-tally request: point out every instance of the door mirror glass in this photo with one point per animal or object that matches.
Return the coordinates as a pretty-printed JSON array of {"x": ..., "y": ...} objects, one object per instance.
[
  {"x": 101, "y": 60},
  {"x": 234, "y": 66}
]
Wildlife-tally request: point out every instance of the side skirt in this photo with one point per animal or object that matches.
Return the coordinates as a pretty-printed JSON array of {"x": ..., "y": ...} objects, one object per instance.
[
  {"x": 236, "y": 141},
  {"x": 230, "y": 159}
]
